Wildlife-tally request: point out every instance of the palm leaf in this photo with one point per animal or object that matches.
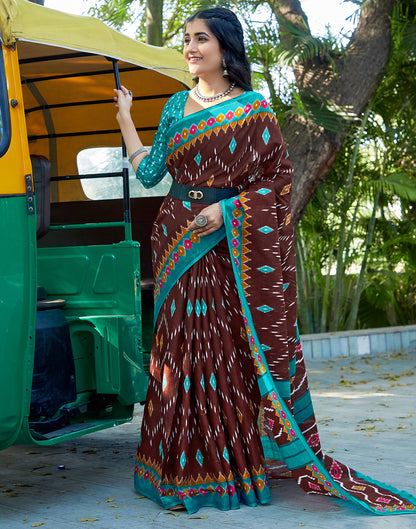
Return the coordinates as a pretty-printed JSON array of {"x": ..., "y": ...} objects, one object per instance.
[
  {"x": 304, "y": 46},
  {"x": 322, "y": 112},
  {"x": 399, "y": 183}
]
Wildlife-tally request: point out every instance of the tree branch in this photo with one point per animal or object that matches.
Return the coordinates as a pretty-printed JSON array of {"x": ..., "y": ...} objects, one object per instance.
[
  {"x": 290, "y": 10},
  {"x": 350, "y": 84}
]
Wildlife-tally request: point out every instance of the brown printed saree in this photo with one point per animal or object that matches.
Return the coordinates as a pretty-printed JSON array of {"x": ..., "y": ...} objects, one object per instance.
[{"x": 227, "y": 385}]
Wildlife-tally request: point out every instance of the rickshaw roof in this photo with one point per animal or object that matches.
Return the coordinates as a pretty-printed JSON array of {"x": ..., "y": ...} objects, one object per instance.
[
  {"x": 67, "y": 83},
  {"x": 21, "y": 20}
]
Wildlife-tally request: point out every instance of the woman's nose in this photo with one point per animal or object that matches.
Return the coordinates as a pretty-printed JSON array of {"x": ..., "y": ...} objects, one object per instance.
[{"x": 192, "y": 46}]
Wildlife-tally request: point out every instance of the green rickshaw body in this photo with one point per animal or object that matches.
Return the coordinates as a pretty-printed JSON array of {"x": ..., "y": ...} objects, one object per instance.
[{"x": 75, "y": 269}]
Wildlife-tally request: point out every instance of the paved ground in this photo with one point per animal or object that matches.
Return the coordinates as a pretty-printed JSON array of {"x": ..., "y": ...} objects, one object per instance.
[{"x": 366, "y": 412}]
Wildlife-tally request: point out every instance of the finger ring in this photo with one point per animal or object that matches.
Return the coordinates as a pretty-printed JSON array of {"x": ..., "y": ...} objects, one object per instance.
[
  {"x": 131, "y": 94},
  {"x": 201, "y": 221}
]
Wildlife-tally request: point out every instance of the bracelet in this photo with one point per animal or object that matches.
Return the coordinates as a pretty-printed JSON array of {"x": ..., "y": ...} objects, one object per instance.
[{"x": 136, "y": 153}]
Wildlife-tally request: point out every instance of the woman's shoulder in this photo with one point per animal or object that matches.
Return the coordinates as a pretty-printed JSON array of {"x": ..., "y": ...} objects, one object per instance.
[
  {"x": 175, "y": 105},
  {"x": 178, "y": 98}
]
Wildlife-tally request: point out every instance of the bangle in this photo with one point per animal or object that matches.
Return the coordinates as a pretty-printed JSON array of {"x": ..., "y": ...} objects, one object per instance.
[{"x": 136, "y": 153}]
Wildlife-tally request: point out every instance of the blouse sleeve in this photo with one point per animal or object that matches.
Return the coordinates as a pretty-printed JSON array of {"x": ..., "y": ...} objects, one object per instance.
[{"x": 152, "y": 168}]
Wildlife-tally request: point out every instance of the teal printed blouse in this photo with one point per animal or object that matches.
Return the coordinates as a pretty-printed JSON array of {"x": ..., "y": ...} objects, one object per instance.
[{"x": 152, "y": 168}]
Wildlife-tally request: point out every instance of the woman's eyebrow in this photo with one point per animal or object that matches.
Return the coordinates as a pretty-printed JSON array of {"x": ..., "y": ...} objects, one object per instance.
[{"x": 197, "y": 34}]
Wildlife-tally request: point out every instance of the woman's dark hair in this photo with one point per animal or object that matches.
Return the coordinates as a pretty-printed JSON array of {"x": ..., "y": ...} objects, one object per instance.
[{"x": 226, "y": 27}]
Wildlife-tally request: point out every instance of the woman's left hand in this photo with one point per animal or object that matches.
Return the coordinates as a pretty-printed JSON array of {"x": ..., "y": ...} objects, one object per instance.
[{"x": 213, "y": 213}]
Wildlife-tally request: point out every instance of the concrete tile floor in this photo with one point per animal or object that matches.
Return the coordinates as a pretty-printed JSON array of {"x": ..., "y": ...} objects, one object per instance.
[{"x": 366, "y": 410}]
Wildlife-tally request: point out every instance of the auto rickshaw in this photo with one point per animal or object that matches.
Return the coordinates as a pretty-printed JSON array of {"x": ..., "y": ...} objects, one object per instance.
[{"x": 75, "y": 265}]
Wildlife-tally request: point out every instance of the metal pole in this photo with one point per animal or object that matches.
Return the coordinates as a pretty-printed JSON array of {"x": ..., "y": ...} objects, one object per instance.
[{"x": 126, "y": 184}]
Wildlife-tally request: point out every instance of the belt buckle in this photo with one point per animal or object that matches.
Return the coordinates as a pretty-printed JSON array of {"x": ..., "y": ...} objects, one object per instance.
[{"x": 195, "y": 195}]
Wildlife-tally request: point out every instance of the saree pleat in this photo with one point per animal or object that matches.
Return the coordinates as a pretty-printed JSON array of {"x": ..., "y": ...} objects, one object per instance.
[
  {"x": 228, "y": 394},
  {"x": 202, "y": 402}
]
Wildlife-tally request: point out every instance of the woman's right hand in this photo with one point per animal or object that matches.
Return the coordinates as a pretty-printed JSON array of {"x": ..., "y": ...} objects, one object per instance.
[{"x": 124, "y": 100}]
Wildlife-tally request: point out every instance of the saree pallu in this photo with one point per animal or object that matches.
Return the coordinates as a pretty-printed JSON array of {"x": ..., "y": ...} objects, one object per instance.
[{"x": 227, "y": 381}]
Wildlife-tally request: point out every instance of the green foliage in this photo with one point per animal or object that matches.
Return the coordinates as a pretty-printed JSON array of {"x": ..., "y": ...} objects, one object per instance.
[
  {"x": 120, "y": 13},
  {"x": 304, "y": 47},
  {"x": 322, "y": 112},
  {"x": 398, "y": 183},
  {"x": 362, "y": 219}
]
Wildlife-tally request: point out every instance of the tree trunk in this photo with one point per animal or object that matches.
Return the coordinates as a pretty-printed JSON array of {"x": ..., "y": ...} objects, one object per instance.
[
  {"x": 154, "y": 14},
  {"x": 358, "y": 73}
]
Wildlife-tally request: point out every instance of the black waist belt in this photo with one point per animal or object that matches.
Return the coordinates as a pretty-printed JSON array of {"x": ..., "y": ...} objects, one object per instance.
[{"x": 204, "y": 195}]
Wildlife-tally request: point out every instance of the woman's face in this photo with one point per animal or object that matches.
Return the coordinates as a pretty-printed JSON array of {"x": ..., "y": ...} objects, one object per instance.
[{"x": 201, "y": 50}]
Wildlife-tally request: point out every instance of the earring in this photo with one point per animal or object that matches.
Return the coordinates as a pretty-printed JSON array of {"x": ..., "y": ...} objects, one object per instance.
[{"x": 225, "y": 72}]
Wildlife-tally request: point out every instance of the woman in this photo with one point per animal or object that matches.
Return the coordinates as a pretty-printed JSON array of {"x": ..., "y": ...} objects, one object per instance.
[{"x": 226, "y": 350}]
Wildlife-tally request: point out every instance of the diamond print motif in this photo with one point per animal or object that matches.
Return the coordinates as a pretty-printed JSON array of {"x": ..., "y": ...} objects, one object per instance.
[
  {"x": 285, "y": 285},
  {"x": 266, "y": 229},
  {"x": 199, "y": 457},
  {"x": 187, "y": 384},
  {"x": 265, "y": 269},
  {"x": 187, "y": 205},
  {"x": 232, "y": 145},
  {"x": 203, "y": 382},
  {"x": 266, "y": 136},
  {"x": 198, "y": 158},
  {"x": 182, "y": 460},
  {"x": 172, "y": 308},
  {"x": 213, "y": 381},
  {"x": 197, "y": 307},
  {"x": 265, "y": 347},
  {"x": 165, "y": 231},
  {"x": 264, "y": 308},
  {"x": 225, "y": 455},
  {"x": 189, "y": 308},
  {"x": 164, "y": 382},
  {"x": 161, "y": 449},
  {"x": 264, "y": 191},
  {"x": 204, "y": 307}
]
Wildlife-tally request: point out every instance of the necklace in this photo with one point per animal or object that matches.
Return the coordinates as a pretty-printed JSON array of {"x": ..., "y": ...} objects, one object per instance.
[{"x": 213, "y": 98}]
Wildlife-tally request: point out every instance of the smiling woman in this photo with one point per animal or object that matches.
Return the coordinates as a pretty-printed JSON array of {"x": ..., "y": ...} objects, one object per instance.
[{"x": 228, "y": 404}]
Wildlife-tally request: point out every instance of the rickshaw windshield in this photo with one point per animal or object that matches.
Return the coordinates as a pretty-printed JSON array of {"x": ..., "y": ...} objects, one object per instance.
[
  {"x": 4, "y": 110},
  {"x": 109, "y": 160}
]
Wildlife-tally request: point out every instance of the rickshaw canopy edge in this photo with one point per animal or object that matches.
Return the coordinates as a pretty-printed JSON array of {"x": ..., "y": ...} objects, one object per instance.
[{"x": 26, "y": 21}]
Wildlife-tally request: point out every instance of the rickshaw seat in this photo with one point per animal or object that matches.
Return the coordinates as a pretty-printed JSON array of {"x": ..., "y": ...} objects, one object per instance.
[{"x": 41, "y": 169}]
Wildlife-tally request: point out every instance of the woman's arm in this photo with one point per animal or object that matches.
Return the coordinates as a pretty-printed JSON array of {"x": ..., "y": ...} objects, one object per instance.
[
  {"x": 133, "y": 143},
  {"x": 150, "y": 169}
]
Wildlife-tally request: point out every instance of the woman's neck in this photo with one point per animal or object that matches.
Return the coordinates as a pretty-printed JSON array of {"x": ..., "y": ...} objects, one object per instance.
[{"x": 211, "y": 87}]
